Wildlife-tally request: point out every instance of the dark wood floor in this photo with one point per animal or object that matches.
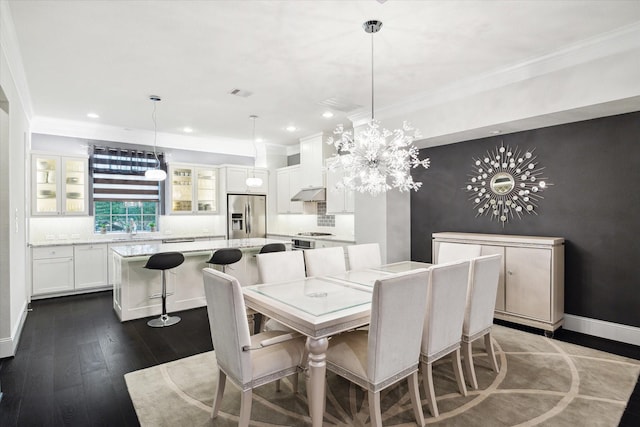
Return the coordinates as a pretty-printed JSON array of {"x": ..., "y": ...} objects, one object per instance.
[{"x": 73, "y": 354}]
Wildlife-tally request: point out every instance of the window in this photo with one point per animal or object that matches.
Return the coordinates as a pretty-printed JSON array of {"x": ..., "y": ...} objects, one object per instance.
[{"x": 123, "y": 200}]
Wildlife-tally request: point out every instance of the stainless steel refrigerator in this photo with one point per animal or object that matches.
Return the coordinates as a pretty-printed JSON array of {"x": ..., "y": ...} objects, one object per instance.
[{"x": 246, "y": 216}]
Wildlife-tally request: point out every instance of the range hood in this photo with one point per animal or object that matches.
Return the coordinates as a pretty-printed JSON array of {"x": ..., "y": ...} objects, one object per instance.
[{"x": 310, "y": 195}]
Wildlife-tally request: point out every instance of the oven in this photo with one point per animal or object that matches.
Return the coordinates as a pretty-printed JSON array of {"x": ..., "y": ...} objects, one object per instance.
[{"x": 301, "y": 244}]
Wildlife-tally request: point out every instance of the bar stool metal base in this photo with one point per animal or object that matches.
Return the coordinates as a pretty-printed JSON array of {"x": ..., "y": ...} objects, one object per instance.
[{"x": 163, "y": 320}]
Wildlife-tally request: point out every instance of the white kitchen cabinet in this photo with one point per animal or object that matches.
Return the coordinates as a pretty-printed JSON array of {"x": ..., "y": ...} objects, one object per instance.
[
  {"x": 52, "y": 269},
  {"x": 313, "y": 152},
  {"x": 236, "y": 179},
  {"x": 193, "y": 189},
  {"x": 339, "y": 200},
  {"x": 287, "y": 186},
  {"x": 59, "y": 185},
  {"x": 531, "y": 288},
  {"x": 90, "y": 266}
]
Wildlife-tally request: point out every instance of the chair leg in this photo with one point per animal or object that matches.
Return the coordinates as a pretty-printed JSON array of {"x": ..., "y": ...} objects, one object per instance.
[
  {"x": 294, "y": 380},
  {"x": 427, "y": 382},
  {"x": 278, "y": 385},
  {"x": 217, "y": 400},
  {"x": 375, "y": 411},
  {"x": 490, "y": 351},
  {"x": 245, "y": 408},
  {"x": 414, "y": 390},
  {"x": 467, "y": 353},
  {"x": 457, "y": 369}
]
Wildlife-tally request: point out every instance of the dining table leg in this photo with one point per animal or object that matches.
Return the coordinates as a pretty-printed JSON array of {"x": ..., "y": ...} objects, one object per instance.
[{"x": 317, "y": 368}]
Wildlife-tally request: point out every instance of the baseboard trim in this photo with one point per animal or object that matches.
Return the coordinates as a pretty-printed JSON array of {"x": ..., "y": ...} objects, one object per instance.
[
  {"x": 602, "y": 329},
  {"x": 8, "y": 346}
]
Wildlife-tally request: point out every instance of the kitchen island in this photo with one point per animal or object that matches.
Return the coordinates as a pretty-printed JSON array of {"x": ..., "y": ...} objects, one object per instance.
[{"x": 136, "y": 290}]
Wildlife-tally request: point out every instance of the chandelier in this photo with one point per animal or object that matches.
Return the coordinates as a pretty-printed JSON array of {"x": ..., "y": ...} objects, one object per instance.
[
  {"x": 376, "y": 159},
  {"x": 155, "y": 174}
]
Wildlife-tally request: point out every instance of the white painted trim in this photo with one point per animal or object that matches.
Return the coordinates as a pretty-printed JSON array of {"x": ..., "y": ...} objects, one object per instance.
[
  {"x": 602, "y": 329},
  {"x": 9, "y": 345},
  {"x": 10, "y": 47}
]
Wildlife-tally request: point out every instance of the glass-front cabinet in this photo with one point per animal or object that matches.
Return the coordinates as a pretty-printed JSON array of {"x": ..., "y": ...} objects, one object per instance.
[
  {"x": 193, "y": 189},
  {"x": 59, "y": 185}
]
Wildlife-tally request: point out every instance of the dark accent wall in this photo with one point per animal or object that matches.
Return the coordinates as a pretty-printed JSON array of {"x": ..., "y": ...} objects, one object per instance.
[{"x": 594, "y": 204}]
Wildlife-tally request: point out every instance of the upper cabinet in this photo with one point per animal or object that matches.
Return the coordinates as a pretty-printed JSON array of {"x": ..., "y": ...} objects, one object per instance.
[
  {"x": 339, "y": 200},
  {"x": 313, "y": 151},
  {"x": 236, "y": 179},
  {"x": 193, "y": 189},
  {"x": 288, "y": 184},
  {"x": 59, "y": 185}
]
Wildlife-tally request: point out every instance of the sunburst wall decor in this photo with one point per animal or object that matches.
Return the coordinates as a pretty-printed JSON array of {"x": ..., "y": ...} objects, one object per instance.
[{"x": 506, "y": 184}]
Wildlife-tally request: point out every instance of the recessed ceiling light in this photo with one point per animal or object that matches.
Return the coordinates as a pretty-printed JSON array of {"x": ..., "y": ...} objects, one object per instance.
[
  {"x": 291, "y": 128},
  {"x": 93, "y": 116},
  {"x": 327, "y": 114},
  {"x": 187, "y": 130}
]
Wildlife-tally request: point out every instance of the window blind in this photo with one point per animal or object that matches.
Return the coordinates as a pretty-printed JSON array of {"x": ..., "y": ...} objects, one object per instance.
[{"x": 118, "y": 175}]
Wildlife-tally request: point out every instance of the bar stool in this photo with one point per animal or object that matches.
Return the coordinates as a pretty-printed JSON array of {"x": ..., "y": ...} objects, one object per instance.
[
  {"x": 272, "y": 247},
  {"x": 164, "y": 261},
  {"x": 225, "y": 256}
]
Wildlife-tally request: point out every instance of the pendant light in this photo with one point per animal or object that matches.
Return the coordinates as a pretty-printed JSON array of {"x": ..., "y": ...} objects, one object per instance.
[
  {"x": 155, "y": 174},
  {"x": 252, "y": 181},
  {"x": 376, "y": 159}
]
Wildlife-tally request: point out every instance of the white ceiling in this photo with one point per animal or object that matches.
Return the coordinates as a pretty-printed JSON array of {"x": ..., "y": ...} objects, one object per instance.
[{"x": 107, "y": 57}]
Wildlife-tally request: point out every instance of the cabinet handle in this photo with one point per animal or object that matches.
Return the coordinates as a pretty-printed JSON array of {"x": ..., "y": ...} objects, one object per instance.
[{"x": 510, "y": 273}]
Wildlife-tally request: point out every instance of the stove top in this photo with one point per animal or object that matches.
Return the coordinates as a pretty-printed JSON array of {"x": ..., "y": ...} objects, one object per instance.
[{"x": 314, "y": 233}]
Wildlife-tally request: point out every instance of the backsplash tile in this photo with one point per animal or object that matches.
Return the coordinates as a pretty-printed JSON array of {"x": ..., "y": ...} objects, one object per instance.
[{"x": 325, "y": 220}]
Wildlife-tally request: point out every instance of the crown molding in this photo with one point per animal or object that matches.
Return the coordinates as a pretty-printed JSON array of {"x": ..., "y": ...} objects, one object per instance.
[{"x": 618, "y": 41}]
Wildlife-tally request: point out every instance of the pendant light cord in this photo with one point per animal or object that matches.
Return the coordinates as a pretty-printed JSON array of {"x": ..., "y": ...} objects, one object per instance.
[
  {"x": 155, "y": 133},
  {"x": 372, "y": 75},
  {"x": 255, "y": 147}
]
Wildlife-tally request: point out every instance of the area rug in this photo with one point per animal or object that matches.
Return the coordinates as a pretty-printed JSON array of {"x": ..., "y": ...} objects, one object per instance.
[{"x": 542, "y": 382}]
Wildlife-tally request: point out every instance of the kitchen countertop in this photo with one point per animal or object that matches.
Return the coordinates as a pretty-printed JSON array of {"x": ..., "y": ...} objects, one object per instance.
[
  {"x": 121, "y": 238},
  {"x": 334, "y": 238},
  {"x": 199, "y": 246}
]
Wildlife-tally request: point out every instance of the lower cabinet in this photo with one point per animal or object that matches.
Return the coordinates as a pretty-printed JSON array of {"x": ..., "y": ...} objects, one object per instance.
[
  {"x": 531, "y": 288},
  {"x": 52, "y": 269},
  {"x": 90, "y": 266},
  {"x": 59, "y": 270}
]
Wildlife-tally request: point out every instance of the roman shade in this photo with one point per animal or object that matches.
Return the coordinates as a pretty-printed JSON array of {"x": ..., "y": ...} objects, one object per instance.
[{"x": 118, "y": 175}]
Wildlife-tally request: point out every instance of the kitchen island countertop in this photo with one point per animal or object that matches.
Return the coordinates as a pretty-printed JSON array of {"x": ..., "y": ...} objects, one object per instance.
[{"x": 197, "y": 246}]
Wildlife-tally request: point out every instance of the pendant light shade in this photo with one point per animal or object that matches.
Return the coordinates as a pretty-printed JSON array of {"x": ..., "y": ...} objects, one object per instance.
[
  {"x": 155, "y": 174},
  {"x": 252, "y": 181}
]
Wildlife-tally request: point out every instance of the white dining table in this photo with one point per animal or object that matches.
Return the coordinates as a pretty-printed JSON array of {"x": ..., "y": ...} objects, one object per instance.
[{"x": 319, "y": 307}]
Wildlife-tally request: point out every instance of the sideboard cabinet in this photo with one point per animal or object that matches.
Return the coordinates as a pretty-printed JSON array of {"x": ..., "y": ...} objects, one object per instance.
[{"x": 531, "y": 288}]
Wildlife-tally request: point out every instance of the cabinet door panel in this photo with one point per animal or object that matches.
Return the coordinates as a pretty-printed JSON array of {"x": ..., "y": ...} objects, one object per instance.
[
  {"x": 52, "y": 275},
  {"x": 46, "y": 185},
  {"x": 528, "y": 282},
  {"x": 500, "y": 297},
  {"x": 90, "y": 266}
]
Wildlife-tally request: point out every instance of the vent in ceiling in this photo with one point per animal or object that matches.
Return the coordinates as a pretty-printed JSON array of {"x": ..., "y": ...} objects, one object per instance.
[{"x": 240, "y": 92}]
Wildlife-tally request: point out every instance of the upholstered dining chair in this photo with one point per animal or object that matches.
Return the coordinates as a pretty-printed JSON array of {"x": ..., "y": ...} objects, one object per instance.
[
  {"x": 442, "y": 333},
  {"x": 324, "y": 261},
  {"x": 484, "y": 275},
  {"x": 365, "y": 255},
  {"x": 389, "y": 352},
  {"x": 248, "y": 361},
  {"x": 450, "y": 252},
  {"x": 279, "y": 267}
]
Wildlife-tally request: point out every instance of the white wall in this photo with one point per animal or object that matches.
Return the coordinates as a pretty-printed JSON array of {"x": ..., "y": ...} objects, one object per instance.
[{"x": 13, "y": 202}]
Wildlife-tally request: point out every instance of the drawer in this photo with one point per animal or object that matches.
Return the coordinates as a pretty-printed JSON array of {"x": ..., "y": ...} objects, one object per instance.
[{"x": 52, "y": 252}]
